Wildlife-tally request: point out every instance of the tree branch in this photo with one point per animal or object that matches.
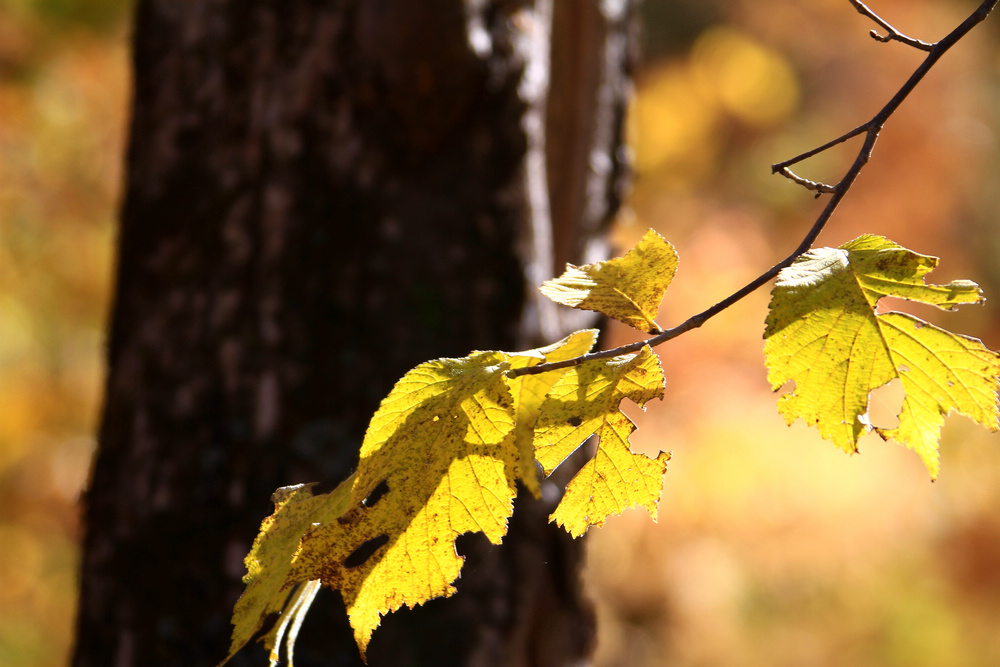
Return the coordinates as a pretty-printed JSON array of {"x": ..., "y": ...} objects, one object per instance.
[
  {"x": 871, "y": 130},
  {"x": 820, "y": 188},
  {"x": 891, "y": 33}
]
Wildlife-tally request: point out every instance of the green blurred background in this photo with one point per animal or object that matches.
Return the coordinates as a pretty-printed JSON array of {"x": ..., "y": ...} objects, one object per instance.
[{"x": 773, "y": 548}]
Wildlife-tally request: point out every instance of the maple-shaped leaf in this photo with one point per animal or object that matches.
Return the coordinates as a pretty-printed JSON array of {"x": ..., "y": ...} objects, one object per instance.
[
  {"x": 438, "y": 460},
  {"x": 529, "y": 392},
  {"x": 268, "y": 566},
  {"x": 583, "y": 402},
  {"x": 823, "y": 333},
  {"x": 628, "y": 288}
]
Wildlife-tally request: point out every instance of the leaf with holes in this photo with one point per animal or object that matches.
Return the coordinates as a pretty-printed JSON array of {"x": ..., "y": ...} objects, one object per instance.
[
  {"x": 628, "y": 288},
  {"x": 529, "y": 392},
  {"x": 438, "y": 460},
  {"x": 823, "y": 333},
  {"x": 583, "y": 402}
]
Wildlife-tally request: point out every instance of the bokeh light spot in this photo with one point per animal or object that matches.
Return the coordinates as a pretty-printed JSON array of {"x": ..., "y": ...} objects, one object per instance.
[{"x": 752, "y": 82}]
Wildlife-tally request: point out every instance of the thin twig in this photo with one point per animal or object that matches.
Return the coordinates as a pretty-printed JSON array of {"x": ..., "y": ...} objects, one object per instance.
[
  {"x": 891, "y": 33},
  {"x": 871, "y": 130},
  {"x": 783, "y": 167},
  {"x": 818, "y": 187}
]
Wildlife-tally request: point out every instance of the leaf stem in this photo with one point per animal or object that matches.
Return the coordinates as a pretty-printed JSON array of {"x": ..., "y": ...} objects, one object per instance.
[{"x": 871, "y": 130}]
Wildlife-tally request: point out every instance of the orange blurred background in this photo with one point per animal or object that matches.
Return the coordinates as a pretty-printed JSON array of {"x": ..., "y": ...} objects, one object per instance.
[
  {"x": 772, "y": 547},
  {"x": 63, "y": 101}
]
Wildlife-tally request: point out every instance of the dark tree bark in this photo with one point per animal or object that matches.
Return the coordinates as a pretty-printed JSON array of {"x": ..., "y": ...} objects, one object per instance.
[{"x": 321, "y": 195}]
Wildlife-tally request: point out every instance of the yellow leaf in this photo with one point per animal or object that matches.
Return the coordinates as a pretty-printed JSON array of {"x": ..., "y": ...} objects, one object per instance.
[
  {"x": 823, "y": 333},
  {"x": 269, "y": 563},
  {"x": 439, "y": 457},
  {"x": 529, "y": 392},
  {"x": 628, "y": 288},
  {"x": 583, "y": 402}
]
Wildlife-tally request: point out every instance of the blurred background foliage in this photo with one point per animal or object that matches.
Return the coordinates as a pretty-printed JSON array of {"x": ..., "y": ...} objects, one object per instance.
[
  {"x": 63, "y": 101},
  {"x": 773, "y": 548}
]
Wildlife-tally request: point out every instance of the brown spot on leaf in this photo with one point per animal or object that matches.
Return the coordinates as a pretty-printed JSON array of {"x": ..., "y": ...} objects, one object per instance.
[{"x": 350, "y": 517}]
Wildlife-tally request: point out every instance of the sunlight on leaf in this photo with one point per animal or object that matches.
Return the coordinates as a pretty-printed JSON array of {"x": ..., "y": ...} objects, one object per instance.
[
  {"x": 584, "y": 402},
  {"x": 823, "y": 333},
  {"x": 529, "y": 392},
  {"x": 442, "y": 447},
  {"x": 269, "y": 562},
  {"x": 628, "y": 288},
  {"x": 440, "y": 458}
]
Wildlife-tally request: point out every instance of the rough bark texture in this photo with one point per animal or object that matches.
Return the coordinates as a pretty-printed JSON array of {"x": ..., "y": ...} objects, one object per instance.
[{"x": 321, "y": 195}]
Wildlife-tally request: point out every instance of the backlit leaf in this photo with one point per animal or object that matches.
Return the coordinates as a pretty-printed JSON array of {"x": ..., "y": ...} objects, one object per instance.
[
  {"x": 529, "y": 392},
  {"x": 440, "y": 455},
  {"x": 269, "y": 563},
  {"x": 585, "y": 401},
  {"x": 628, "y": 288},
  {"x": 440, "y": 458},
  {"x": 823, "y": 333}
]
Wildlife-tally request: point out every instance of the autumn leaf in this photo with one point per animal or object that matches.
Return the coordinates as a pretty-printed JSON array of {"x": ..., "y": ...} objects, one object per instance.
[
  {"x": 529, "y": 392},
  {"x": 438, "y": 460},
  {"x": 269, "y": 563},
  {"x": 628, "y": 288},
  {"x": 823, "y": 333},
  {"x": 583, "y": 402}
]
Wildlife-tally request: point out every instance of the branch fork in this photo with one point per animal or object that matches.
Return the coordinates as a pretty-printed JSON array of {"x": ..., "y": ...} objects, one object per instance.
[{"x": 870, "y": 129}]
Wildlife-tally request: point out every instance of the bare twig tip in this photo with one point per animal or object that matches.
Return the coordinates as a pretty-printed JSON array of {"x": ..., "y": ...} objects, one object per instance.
[{"x": 891, "y": 33}]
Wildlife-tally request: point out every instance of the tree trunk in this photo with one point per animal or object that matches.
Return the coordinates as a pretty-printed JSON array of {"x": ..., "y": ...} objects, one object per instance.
[{"x": 321, "y": 195}]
